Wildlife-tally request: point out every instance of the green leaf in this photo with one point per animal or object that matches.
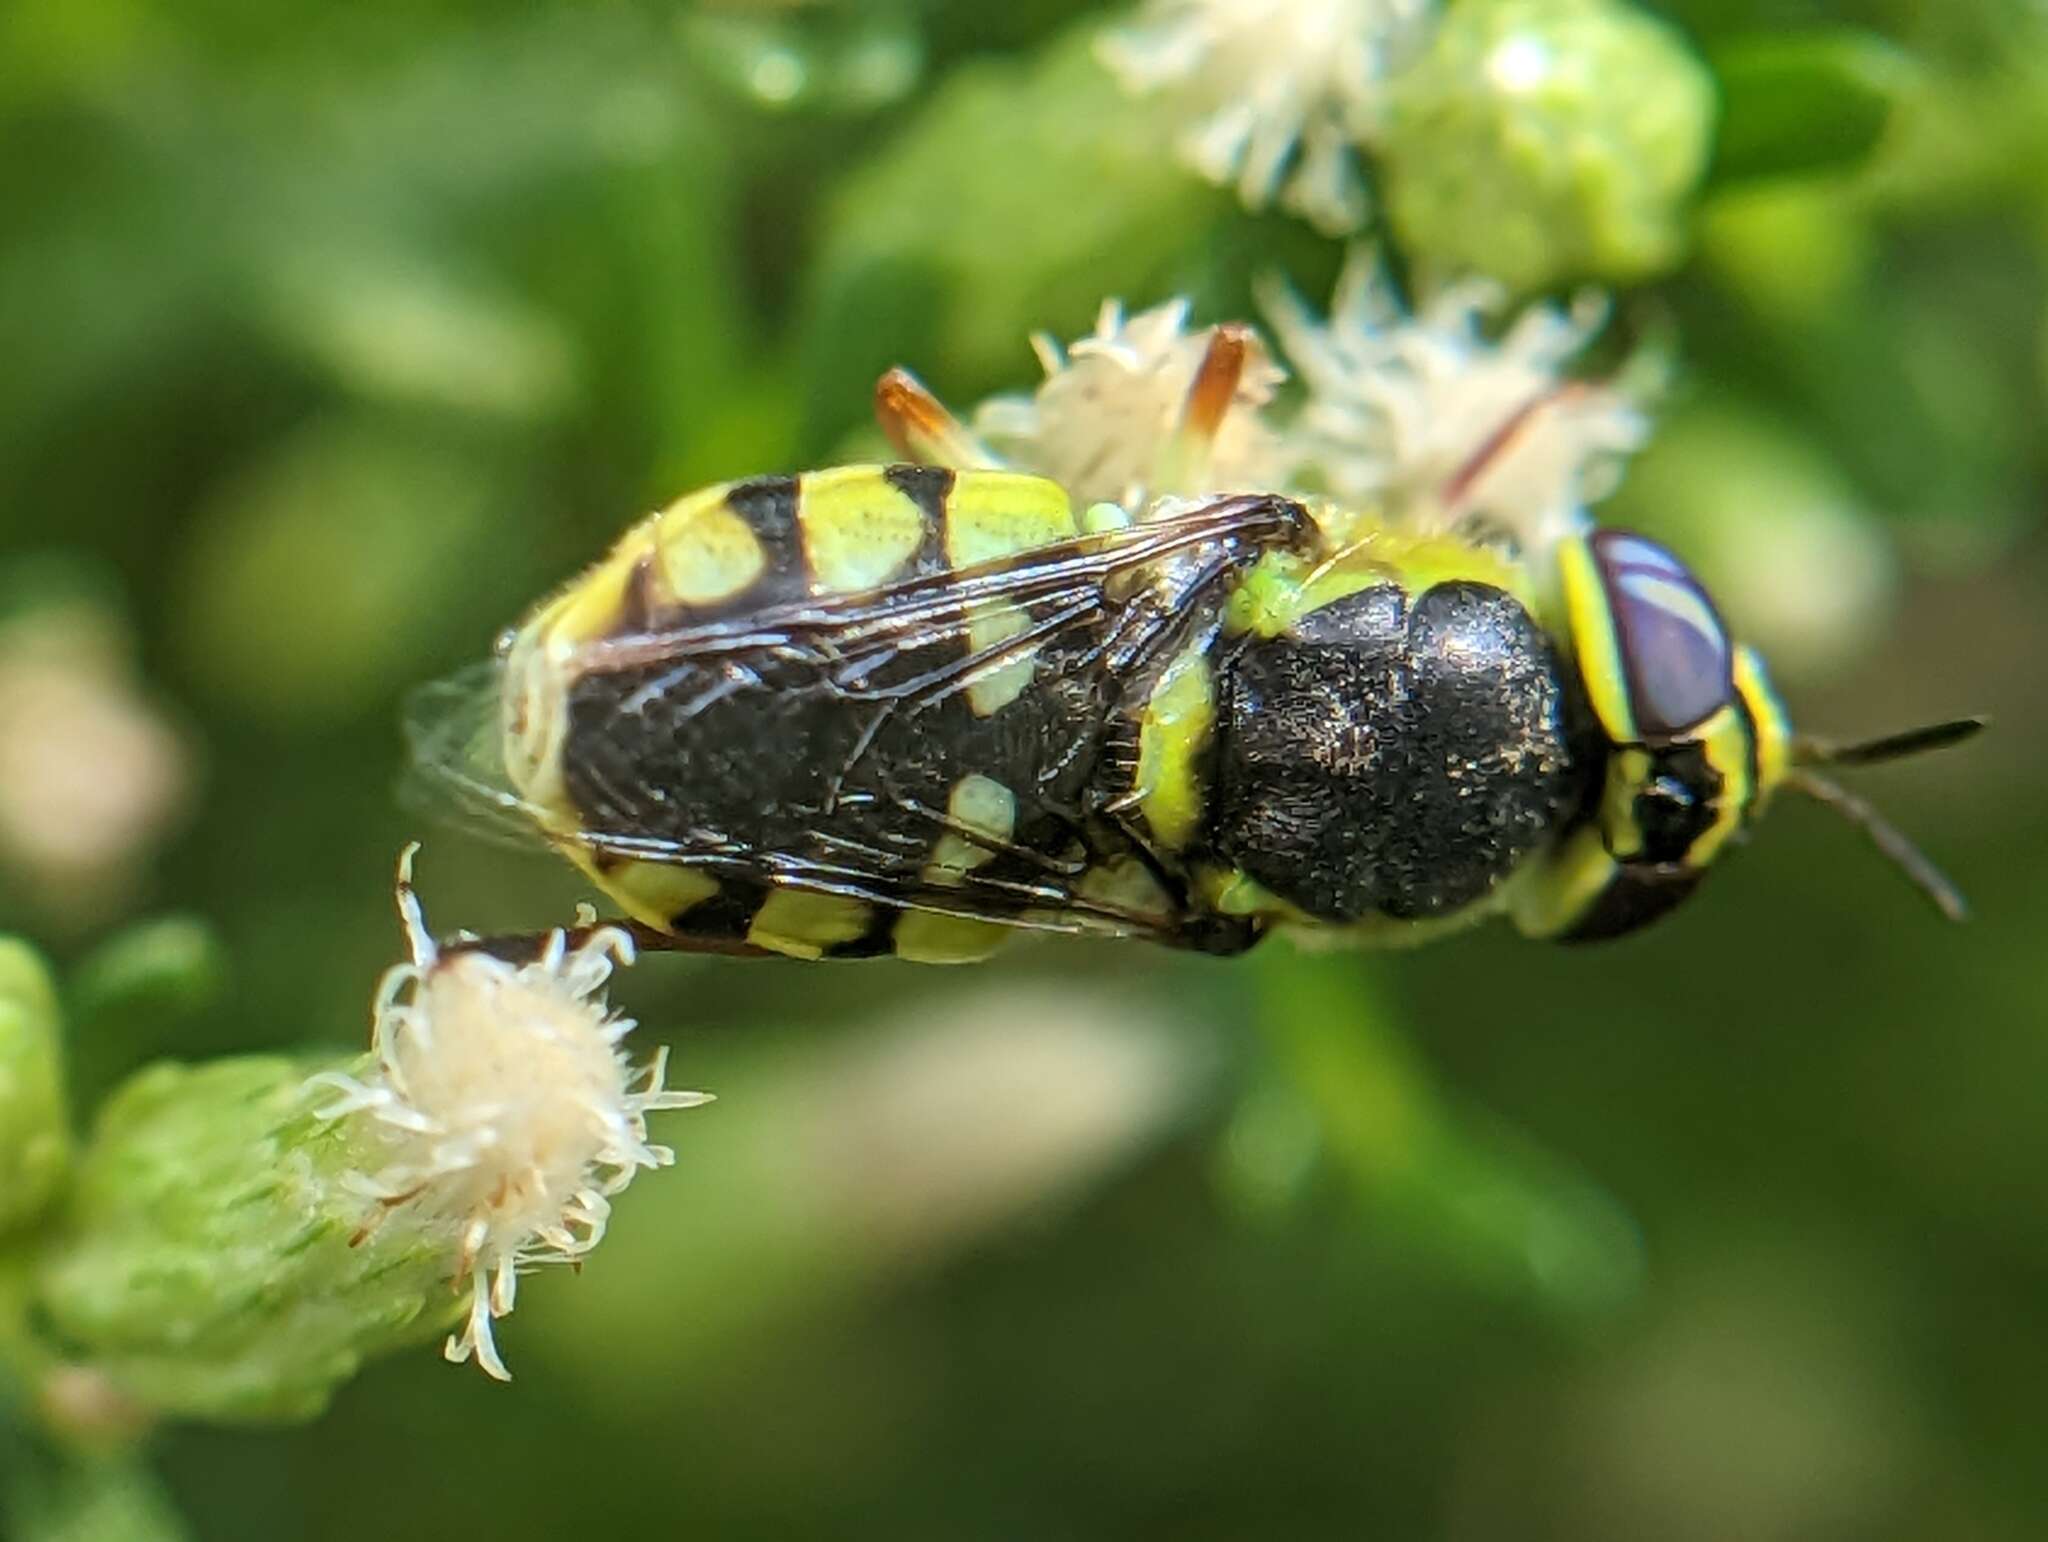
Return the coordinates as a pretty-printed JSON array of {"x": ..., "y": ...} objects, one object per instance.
[
  {"x": 169, "y": 967},
  {"x": 1541, "y": 141},
  {"x": 130, "y": 998},
  {"x": 1020, "y": 196},
  {"x": 1496, "y": 1208},
  {"x": 1806, "y": 104},
  {"x": 214, "y": 1261},
  {"x": 35, "y": 1137},
  {"x": 82, "y": 1498}
]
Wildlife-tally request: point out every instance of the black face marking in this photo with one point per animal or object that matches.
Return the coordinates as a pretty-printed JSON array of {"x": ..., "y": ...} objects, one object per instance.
[
  {"x": 1394, "y": 757},
  {"x": 1678, "y": 804},
  {"x": 928, "y": 487},
  {"x": 1674, "y": 650},
  {"x": 1634, "y": 897}
]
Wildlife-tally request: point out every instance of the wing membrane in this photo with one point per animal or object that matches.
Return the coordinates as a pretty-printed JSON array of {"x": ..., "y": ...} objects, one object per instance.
[
  {"x": 455, "y": 770},
  {"x": 1065, "y": 583},
  {"x": 1123, "y": 602}
]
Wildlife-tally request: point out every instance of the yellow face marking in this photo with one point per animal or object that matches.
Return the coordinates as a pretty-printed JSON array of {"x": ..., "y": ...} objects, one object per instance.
[
  {"x": 1773, "y": 731},
  {"x": 708, "y": 553},
  {"x": 801, "y": 924},
  {"x": 984, "y": 805},
  {"x": 1171, "y": 736},
  {"x": 1553, "y": 894},
  {"x": 1594, "y": 645},
  {"x": 991, "y": 514},
  {"x": 1003, "y": 684},
  {"x": 924, "y": 937},
  {"x": 859, "y": 529},
  {"x": 1725, "y": 743},
  {"x": 1628, "y": 772}
]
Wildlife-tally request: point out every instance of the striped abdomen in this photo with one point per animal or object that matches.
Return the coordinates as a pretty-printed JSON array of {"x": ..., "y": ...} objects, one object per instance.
[{"x": 786, "y": 778}]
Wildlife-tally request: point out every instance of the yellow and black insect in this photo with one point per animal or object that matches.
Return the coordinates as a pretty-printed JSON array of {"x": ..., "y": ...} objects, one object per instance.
[{"x": 907, "y": 710}]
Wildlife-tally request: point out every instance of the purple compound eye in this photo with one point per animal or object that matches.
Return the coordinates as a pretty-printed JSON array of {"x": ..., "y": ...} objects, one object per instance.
[{"x": 1674, "y": 650}]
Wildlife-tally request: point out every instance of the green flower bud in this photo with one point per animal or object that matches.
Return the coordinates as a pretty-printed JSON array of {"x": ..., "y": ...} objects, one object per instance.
[
  {"x": 243, "y": 1234},
  {"x": 217, "y": 1262},
  {"x": 1543, "y": 140},
  {"x": 76, "y": 1497},
  {"x": 35, "y": 1141}
]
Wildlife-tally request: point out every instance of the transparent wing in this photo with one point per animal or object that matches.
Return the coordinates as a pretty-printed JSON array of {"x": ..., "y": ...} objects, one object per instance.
[
  {"x": 1124, "y": 602},
  {"x": 455, "y": 768},
  {"x": 1134, "y": 587}
]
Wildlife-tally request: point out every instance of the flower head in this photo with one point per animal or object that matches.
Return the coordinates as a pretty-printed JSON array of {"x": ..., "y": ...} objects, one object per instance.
[
  {"x": 503, "y": 1108},
  {"x": 1280, "y": 91},
  {"x": 1143, "y": 408},
  {"x": 91, "y": 774},
  {"x": 1427, "y": 416}
]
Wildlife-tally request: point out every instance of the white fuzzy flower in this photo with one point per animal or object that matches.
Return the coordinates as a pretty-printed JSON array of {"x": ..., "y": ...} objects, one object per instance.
[
  {"x": 1438, "y": 424},
  {"x": 1117, "y": 418},
  {"x": 503, "y": 1107},
  {"x": 1281, "y": 91}
]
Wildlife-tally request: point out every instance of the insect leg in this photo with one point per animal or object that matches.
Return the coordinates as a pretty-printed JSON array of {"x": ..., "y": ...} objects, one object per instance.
[
  {"x": 1185, "y": 461},
  {"x": 529, "y": 947},
  {"x": 919, "y": 425}
]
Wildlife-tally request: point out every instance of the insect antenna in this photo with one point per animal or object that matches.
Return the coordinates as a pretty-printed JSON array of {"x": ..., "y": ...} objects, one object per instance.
[
  {"x": 1886, "y": 836},
  {"x": 1475, "y": 465},
  {"x": 1871, "y": 752}
]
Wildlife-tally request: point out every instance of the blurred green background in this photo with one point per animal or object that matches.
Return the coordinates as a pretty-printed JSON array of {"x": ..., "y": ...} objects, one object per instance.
[{"x": 334, "y": 334}]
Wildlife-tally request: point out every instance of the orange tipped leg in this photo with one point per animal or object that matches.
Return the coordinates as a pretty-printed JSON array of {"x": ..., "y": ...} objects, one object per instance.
[
  {"x": 920, "y": 427},
  {"x": 1191, "y": 450}
]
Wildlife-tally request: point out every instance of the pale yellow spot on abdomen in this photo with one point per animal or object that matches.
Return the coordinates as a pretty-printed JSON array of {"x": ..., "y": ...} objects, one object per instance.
[
  {"x": 658, "y": 892},
  {"x": 983, "y": 805},
  {"x": 924, "y": 937},
  {"x": 992, "y": 514},
  {"x": 995, "y": 514},
  {"x": 1008, "y": 680},
  {"x": 859, "y": 529},
  {"x": 803, "y": 925},
  {"x": 707, "y": 552}
]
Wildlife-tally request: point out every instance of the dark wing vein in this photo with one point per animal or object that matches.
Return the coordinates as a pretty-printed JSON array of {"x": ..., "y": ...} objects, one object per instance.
[
  {"x": 931, "y": 608},
  {"x": 878, "y": 646},
  {"x": 1051, "y": 906}
]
